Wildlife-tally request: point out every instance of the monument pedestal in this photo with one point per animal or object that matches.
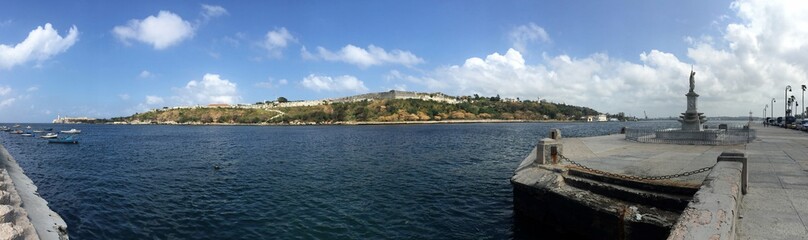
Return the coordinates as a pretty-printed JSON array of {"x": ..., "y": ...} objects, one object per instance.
[{"x": 691, "y": 119}]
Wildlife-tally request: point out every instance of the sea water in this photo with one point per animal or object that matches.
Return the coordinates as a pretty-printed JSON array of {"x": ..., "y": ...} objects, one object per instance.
[{"x": 434, "y": 181}]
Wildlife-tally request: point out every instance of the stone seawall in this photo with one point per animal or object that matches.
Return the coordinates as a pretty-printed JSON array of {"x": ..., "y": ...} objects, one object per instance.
[
  {"x": 23, "y": 213},
  {"x": 713, "y": 213}
]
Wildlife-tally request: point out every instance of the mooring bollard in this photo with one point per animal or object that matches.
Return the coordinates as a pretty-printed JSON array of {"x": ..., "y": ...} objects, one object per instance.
[
  {"x": 555, "y": 134},
  {"x": 549, "y": 150},
  {"x": 737, "y": 156}
]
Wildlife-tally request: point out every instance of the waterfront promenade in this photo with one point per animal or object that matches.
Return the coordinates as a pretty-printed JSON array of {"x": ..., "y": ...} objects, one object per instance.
[{"x": 776, "y": 206}]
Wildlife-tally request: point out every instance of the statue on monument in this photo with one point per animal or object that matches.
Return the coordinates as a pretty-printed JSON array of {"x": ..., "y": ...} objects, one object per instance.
[{"x": 692, "y": 80}]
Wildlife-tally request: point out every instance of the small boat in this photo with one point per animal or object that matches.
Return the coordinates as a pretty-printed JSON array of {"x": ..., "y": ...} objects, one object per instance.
[
  {"x": 70, "y": 139},
  {"x": 49, "y": 135},
  {"x": 71, "y": 131},
  {"x": 16, "y": 132},
  {"x": 28, "y": 127},
  {"x": 48, "y": 129},
  {"x": 16, "y": 126},
  {"x": 39, "y": 131},
  {"x": 27, "y": 134}
]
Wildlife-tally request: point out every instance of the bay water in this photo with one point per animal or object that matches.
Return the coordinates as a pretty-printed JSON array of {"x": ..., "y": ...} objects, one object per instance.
[{"x": 430, "y": 181}]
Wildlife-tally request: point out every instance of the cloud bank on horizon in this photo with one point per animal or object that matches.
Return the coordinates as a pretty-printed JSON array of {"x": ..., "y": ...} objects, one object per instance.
[{"x": 756, "y": 53}]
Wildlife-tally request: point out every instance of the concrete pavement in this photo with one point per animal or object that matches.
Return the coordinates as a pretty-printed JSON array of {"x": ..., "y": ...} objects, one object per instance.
[{"x": 776, "y": 206}]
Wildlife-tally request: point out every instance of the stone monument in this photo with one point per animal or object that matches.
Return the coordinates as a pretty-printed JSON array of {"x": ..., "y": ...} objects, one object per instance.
[{"x": 691, "y": 119}]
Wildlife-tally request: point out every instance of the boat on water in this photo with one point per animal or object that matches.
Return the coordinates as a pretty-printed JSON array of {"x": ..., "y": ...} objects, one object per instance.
[
  {"x": 70, "y": 139},
  {"x": 28, "y": 127},
  {"x": 49, "y": 135},
  {"x": 48, "y": 129},
  {"x": 16, "y": 126},
  {"x": 39, "y": 131},
  {"x": 16, "y": 132},
  {"x": 71, "y": 131},
  {"x": 27, "y": 134},
  {"x": 5, "y": 128}
]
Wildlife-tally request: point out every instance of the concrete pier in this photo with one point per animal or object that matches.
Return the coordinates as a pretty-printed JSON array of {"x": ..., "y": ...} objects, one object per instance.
[
  {"x": 776, "y": 205},
  {"x": 757, "y": 190}
]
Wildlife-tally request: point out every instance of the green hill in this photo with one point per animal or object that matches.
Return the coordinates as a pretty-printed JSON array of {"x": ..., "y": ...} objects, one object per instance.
[{"x": 388, "y": 110}]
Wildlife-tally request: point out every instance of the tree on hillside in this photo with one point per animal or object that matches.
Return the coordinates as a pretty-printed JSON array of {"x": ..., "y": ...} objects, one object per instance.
[{"x": 282, "y": 100}]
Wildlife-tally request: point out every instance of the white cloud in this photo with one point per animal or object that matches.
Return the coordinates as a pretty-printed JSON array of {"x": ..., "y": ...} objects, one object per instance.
[
  {"x": 32, "y": 89},
  {"x": 145, "y": 74},
  {"x": 275, "y": 41},
  {"x": 4, "y": 90},
  {"x": 124, "y": 96},
  {"x": 211, "y": 11},
  {"x": 364, "y": 58},
  {"x": 522, "y": 35},
  {"x": 336, "y": 84},
  {"x": 152, "y": 100},
  {"x": 753, "y": 62},
  {"x": 271, "y": 83},
  {"x": 41, "y": 44},
  {"x": 7, "y": 102},
  {"x": 161, "y": 31},
  {"x": 212, "y": 89}
]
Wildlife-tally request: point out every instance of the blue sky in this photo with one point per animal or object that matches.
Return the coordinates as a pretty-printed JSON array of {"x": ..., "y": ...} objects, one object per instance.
[{"x": 107, "y": 59}]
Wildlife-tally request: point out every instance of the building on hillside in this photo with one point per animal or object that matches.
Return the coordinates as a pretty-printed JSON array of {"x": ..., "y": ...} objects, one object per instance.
[
  {"x": 396, "y": 94},
  {"x": 60, "y": 119}
]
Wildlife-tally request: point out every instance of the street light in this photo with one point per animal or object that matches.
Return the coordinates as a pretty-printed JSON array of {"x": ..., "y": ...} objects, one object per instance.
[
  {"x": 803, "y": 101},
  {"x": 764, "y": 113},
  {"x": 773, "y": 107},
  {"x": 788, "y": 89}
]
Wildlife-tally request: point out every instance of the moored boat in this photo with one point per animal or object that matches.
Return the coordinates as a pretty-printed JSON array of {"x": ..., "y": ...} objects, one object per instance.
[
  {"x": 70, "y": 139},
  {"x": 50, "y": 135},
  {"x": 16, "y": 132},
  {"x": 71, "y": 131}
]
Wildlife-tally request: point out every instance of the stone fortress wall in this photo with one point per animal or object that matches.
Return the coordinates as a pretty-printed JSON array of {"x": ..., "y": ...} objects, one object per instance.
[{"x": 395, "y": 94}]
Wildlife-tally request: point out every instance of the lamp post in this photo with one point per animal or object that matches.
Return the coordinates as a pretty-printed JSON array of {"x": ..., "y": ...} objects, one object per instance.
[
  {"x": 788, "y": 89},
  {"x": 803, "y": 101},
  {"x": 772, "y": 111},
  {"x": 764, "y": 114}
]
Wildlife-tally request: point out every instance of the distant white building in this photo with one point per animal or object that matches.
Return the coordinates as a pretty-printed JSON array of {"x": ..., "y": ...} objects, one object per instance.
[
  {"x": 602, "y": 118},
  {"x": 60, "y": 119}
]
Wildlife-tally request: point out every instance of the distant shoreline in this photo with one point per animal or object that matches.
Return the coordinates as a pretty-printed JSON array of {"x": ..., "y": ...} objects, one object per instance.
[{"x": 354, "y": 123}]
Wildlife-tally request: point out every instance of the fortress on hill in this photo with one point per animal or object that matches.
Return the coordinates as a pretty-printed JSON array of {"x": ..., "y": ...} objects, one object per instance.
[{"x": 395, "y": 94}]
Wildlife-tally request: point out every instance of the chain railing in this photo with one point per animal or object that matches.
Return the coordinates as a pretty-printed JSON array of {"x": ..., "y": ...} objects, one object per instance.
[{"x": 636, "y": 178}]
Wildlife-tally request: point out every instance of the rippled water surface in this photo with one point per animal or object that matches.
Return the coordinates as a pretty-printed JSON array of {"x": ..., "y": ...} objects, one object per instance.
[{"x": 319, "y": 182}]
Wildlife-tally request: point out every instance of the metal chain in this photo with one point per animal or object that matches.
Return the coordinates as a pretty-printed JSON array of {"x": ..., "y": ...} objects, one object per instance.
[{"x": 632, "y": 177}]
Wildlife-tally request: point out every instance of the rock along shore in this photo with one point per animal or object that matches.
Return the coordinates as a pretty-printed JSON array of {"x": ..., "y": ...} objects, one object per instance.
[{"x": 23, "y": 213}]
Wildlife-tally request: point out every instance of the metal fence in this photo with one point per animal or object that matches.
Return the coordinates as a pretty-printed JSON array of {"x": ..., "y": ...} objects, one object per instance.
[{"x": 709, "y": 136}]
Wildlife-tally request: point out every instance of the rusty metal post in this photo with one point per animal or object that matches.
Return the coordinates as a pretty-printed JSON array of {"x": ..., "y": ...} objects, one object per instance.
[
  {"x": 554, "y": 154},
  {"x": 737, "y": 156}
]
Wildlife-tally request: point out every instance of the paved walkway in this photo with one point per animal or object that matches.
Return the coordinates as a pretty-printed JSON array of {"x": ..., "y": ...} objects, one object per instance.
[{"x": 776, "y": 206}]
